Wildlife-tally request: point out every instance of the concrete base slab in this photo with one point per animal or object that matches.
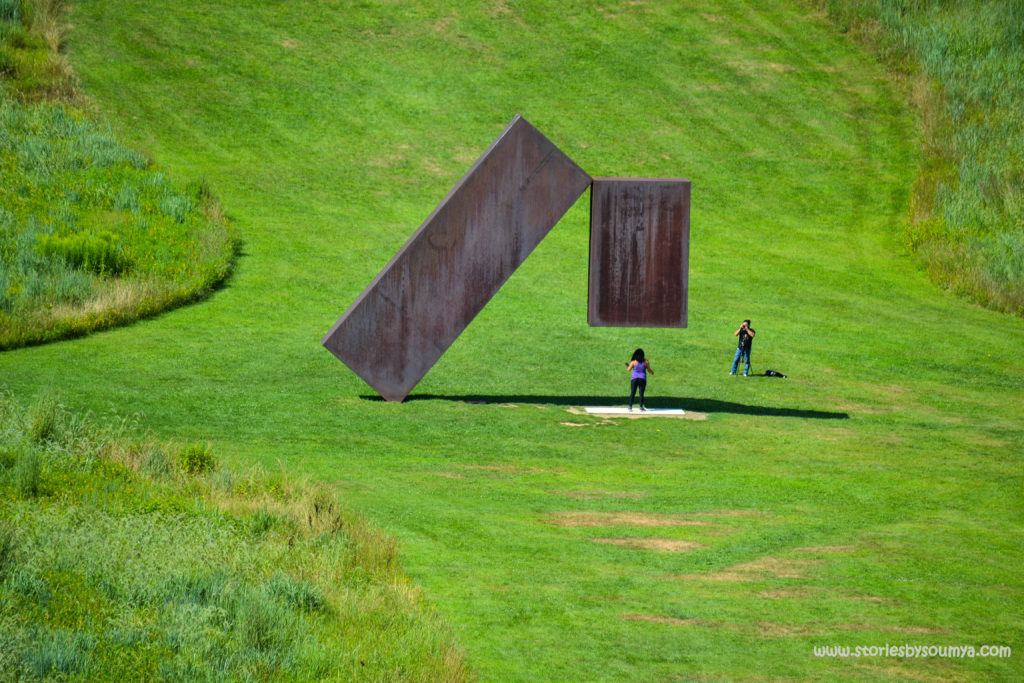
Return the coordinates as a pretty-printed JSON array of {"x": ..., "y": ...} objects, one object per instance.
[{"x": 636, "y": 412}]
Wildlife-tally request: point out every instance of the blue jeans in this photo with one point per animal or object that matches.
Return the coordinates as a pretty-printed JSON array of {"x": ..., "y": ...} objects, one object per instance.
[{"x": 741, "y": 353}]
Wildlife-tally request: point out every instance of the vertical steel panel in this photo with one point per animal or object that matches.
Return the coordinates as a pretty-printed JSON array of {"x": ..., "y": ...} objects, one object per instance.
[
  {"x": 457, "y": 260},
  {"x": 639, "y": 252}
]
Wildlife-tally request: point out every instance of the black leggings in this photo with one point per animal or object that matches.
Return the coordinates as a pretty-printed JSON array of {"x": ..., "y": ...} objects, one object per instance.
[{"x": 633, "y": 385}]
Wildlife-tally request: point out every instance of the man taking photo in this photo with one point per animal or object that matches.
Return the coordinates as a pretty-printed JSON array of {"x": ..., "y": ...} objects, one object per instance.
[{"x": 746, "y": 338}]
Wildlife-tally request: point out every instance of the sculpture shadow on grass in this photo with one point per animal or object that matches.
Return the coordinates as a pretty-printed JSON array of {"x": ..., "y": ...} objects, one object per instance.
[{"x": 689, "y": 404}]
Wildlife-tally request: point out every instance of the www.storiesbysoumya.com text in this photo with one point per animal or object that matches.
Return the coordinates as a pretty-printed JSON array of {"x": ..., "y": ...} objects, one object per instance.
[{"x": 921, "y": 651}]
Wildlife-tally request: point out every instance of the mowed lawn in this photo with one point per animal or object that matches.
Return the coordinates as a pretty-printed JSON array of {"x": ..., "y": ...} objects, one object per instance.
[{"x": 874, "y": 497}]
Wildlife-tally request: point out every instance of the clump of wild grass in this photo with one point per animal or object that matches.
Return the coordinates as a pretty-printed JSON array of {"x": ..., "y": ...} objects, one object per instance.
[
  {"x": 8, "y": 547},
  {"x": 32, "y": 59},
  {"x": 196, "y": 458},
  {"x": 964, "y": 66},
  {"x": 91, "y": 234},
  {"x": 58, "y": 652},
  {"x": 123, "y": 563}
]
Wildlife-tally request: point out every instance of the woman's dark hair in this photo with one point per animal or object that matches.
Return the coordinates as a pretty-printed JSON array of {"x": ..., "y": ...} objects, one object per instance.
[{"x": 638, "y": 356}]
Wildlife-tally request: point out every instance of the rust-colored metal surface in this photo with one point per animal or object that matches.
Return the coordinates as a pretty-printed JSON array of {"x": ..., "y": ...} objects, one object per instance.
[
  {"x": 639, "y": 252},
  {"x": 457, "y": 260}
]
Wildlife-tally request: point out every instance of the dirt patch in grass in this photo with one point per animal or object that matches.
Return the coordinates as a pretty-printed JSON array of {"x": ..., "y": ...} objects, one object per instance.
[
  {"x": 895, "y": 672},
  {"x": 667, "y": 544},
  {"x": 867, "y": 598},
  {"x": 778, "y": 568},
  {"x": 727, "y": 513},
  {"x": 826, "y": 549},
  {"x": 902, "y": 630},
  {"x": 848, "y": 406},
  {"x": 836, "y": 434},
  {"x": 788, "y": 593},
  {"x": 594, "y": 495},
  {"x": 761, "y": 569},
  {"x": 768, "y": 629},
  {"x": 771, "y": 629},
  {"x": 449, "y": 475},
  {"x": 656, "y": 619},
  {"x": 723, "y": 576},
  {"x": 988, "y": 441},
  {"x": 815, "y": 593},
  {"x": 759, "y": 68},
  {"x": 507, "y": 469},
  {"x": 595, "y": 518}
]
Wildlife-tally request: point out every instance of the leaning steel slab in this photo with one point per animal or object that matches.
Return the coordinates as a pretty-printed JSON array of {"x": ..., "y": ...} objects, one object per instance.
[
  {"x": 435, "y": 285},
  {"x": 639, "y": 252}
]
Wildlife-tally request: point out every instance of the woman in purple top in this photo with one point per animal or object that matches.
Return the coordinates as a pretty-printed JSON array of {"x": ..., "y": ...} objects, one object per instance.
[{"x": 639, "y": 368}]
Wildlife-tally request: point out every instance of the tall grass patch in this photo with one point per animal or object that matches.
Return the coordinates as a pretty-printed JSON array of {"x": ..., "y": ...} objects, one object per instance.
[
  {"x": 33, "y": 63},
  {"x": 92, "y": 234},
  {"x": 108, "y": 572},
  {"x": 964, "y": 64}
]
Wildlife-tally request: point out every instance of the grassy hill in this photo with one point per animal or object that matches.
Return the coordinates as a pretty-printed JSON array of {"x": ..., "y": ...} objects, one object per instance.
[
  {"x": 873, "y": 497},
  {"x": 125, "y": 559},
  {"x": 92, "y": 234},
  {"x": 962, "y": 67}
]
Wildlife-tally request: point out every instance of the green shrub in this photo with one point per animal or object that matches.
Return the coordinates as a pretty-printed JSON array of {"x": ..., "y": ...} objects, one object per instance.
[
  {"x": 100, "y": 254},
  {"x": 196, "y": 459}
]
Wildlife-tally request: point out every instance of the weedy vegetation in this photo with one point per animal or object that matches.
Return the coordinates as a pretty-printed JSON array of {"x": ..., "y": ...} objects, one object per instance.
[
  {"x": 125, "y": 559},
  {"x": 92, "y": 234},
  {"x": 963, "y": 69}
]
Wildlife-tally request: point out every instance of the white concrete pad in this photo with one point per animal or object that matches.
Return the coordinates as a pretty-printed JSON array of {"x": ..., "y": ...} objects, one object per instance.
[{"x": 623, "y": 410}]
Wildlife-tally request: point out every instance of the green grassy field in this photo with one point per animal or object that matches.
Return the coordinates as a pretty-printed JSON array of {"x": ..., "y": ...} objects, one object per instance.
[{"x": 873, "y": 497}]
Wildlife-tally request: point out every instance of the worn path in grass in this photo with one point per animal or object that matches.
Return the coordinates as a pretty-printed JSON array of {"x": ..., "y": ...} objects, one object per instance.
[{"x": 873, "y": 497}]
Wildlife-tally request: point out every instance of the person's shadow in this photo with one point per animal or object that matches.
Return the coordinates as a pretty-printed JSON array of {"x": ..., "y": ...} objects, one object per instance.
[{"x": 689, "y": 404}]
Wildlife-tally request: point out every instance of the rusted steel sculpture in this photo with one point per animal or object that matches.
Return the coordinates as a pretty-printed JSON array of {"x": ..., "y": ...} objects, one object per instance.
[
  {"x": 639, "y": 252},
  {"x": 457, "y": 260}
]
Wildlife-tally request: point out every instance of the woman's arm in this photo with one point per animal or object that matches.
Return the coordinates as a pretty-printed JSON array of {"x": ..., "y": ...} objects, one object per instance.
[{"x": 647, "y": 365}]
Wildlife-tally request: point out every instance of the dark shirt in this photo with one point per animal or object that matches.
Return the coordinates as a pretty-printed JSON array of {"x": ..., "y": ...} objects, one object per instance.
[{"x": 746, "y": 339}]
